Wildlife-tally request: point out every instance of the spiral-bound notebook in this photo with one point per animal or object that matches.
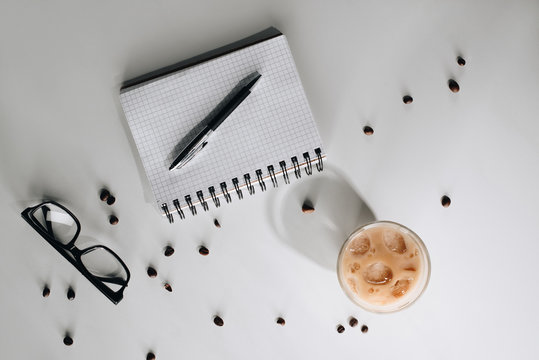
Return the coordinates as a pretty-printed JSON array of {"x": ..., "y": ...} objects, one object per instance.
[{"x": 268, "y": 139}]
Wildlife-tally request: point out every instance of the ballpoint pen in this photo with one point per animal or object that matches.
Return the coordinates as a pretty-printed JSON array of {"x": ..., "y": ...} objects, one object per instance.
[{"x": 201, "y": 139}]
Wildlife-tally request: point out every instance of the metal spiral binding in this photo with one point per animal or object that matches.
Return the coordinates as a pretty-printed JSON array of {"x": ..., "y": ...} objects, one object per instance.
[
  {"x": 200, "y": 196},
  {"x": 190, "y": 204},
  {"x": 170, "y": 218},
  {"x": 285, "y": 172},
  {"x": 297, "y": 169},
  {"x": 309, "y": 167},
  {"x": 260, "y": 179},
  {"x": 250, "y": 186},
  {"x": 271, "y": 172},
  {"x": 216, "y": 201},
  {"x": 176, "y": 203},
  {"x": 227, "y": 196},
  {"x": 237, "y": 188},
  {"x": 319, "y": 164}
]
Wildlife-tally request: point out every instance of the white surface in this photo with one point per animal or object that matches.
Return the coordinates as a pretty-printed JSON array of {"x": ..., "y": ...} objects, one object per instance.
[
  {"x": 273, "y": 124},
  {"x": 62, "y": 136}
]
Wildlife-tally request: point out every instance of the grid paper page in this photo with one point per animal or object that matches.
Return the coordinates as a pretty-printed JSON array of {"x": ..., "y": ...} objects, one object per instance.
[{"x": 272, "y": 124}]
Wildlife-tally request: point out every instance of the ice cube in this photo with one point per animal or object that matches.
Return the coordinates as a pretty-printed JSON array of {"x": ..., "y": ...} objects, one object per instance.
[
  {"x": 360, "y": 245},
  {"x": 400, "y": 288},
  {"x": 394, "y": 241},
  {"x": 378, "y": 273}
]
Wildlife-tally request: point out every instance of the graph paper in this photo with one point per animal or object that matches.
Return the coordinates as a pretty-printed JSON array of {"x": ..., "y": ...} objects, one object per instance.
[{"x": 273, "y": 124}]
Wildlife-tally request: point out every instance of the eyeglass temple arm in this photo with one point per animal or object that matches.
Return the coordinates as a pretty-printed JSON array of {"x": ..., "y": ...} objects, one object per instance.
[{"x": 116, "y": 280}]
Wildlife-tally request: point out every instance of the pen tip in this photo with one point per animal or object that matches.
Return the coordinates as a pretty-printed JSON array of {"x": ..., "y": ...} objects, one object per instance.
[{"x": 252, "y": 84}]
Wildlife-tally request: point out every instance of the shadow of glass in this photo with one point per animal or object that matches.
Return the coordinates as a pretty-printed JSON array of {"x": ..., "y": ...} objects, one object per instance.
[{"x": 319, "y": 235}]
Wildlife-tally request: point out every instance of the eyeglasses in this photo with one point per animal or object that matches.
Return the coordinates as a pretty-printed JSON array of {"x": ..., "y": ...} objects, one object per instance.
[{"x": 98, "y": 263}]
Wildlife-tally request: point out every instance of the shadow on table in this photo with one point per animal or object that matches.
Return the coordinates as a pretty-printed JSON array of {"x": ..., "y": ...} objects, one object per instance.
[{"x": 319, "y": 235}]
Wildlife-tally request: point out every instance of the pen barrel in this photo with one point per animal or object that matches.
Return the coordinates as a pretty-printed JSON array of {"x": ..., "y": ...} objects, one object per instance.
[{"x": 229, "y": 108}]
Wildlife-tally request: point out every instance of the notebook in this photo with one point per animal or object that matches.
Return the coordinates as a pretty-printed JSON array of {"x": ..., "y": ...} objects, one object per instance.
[{"x": 269, "y": 139}]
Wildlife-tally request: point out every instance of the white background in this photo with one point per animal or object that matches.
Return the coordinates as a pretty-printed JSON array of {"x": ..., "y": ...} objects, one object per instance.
[{"x": 63, "y": 136}]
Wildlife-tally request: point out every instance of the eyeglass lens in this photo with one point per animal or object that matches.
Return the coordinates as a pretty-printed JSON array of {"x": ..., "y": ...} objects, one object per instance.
[
  {"x": 57, "y": 222},
  {"x": 102, "y": 264}
]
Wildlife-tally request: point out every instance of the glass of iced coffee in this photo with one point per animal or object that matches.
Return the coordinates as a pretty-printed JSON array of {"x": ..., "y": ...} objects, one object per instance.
[{"x": 383, "y": 266}]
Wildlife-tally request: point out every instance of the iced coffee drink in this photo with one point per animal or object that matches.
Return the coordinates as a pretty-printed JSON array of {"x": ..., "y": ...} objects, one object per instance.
[{"x": 383, "y": 266}]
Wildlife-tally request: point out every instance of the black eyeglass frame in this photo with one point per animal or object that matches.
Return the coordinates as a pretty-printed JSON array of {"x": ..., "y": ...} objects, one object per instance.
[{"x": 76, "y": 253}]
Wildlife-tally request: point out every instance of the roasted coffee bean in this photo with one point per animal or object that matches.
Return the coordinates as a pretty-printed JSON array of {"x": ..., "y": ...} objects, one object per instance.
[
  {"x": 367, "y": 130},
  {"x": 281, "y": 321},
  {"x": 68, "y": 340},
  {"x": 46, "y": 291},
  {"x": 111, "y": 200},
  {"x": 446, "y": 201},
  {"x": 453, "y": 86},
  {"x": 407, "y": 99},
  {"x": 203, "y": 250},
  {"x": 340, "y": 329},
  {"x": 104, "y": 195},
  {"x": 168, "y": 287},
  {"x": 218, "y": 321},
  {"x": 151, "y": 272},
  {"x": 113, "y": 220},
  {"x": 169, "y": 250},
  {"x": 216, "y": 223},
  {"x": 307, "y": 207},
  {"x": 461, "y": 61},
  {"x": 70, "y": 293},
  {"x": 353, "y": 322},
  {"x": 150, "y": 356},
  {"x": 364, "y": 329}
]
